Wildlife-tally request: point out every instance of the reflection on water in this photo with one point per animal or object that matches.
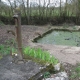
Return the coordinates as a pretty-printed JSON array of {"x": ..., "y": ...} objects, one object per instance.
[{"x": 61, "y": 38}]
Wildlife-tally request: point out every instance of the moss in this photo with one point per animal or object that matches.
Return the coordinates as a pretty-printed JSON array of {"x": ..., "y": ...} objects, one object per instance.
[
  {"x": 37, "y": 60},
  {"x": 1, "y": 57},
  {"x": 60, "y": 37}
]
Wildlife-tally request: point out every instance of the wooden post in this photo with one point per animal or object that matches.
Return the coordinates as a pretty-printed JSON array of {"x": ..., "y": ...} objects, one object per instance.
[{"x": 17, "y": 17}]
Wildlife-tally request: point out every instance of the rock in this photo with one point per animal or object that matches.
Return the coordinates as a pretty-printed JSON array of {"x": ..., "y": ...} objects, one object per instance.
[
  {"x": 59, "y": 76},
  {"x": 57, "y": 67},
  {"x": 18, "y": 71},
  {"x": 62, "y": 74}
]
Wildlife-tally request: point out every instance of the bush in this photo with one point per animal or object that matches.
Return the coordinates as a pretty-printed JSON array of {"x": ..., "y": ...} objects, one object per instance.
[{"x": 42, "y": 20}]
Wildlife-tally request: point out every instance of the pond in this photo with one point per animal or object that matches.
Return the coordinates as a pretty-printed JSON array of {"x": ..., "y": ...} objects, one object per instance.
[{"x": 60, "y": 37}]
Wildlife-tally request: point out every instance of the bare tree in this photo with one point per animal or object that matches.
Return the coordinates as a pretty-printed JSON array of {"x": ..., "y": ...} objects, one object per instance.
[
  {"x": 15, "y": 5},
  {"x": 60, "y": 7},
  {"x": 44, "y": 7},
  {"x": 47, "y": 11},
  {"x": 39, "y": 7},
  {"x": 24, "y": 9},
  {"x": 28, "y": 11},
  {"x": 66, "y": 7},
  {"x": 11, "y": 6},
  {"x": 78, "y": 8}
]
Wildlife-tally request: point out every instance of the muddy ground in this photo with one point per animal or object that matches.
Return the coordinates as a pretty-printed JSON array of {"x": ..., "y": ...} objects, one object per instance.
[{"x": 28, "y": 33}]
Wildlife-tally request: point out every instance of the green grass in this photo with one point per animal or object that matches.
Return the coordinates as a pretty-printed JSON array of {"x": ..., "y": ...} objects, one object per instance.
[
  {"x": 40, "y": 54},
  {"x": 75, "y": 74},
  {"x": 8, "y": 47},
  {"x": 32, "y": 52},
  {"x": 4, "y": 50}
]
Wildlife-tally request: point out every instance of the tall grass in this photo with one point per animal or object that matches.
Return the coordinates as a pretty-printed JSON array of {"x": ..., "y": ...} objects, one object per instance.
[
  {"x": 40, "y": 54},
  {"x": 4, "y": 50},
  {"x": 75, "y": 73},
  {"x": 32, "y": 52}
]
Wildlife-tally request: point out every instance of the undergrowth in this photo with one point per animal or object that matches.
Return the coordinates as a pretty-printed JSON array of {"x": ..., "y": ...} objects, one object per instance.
[
  {"x": 4, "y": 50},
  {"x": 32, "y": 52},
  {"x": 8, "y": 47},
  {"x": 75, "y": 73},
  {"x": 40, "y": 54},
  {"x": 1, "y": 23}
]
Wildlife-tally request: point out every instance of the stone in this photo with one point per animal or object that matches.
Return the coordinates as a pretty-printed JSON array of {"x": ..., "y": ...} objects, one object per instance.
[
  {"x": 62, "y": 74},
  {"x": 57, "y": 67},
  {"x": 18, "y": 71},
  {"x": 56, "y": 78},
  {"x": 59, "y": 76}
]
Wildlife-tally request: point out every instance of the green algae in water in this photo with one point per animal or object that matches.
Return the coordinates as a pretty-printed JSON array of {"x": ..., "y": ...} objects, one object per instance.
[{"x": 61, "y": 38}]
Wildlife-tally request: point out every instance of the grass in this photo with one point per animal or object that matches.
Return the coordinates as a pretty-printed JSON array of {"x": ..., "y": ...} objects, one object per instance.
[
  {"x": 4, "y": 50},
  {"x": 75, "y": 74},
  {"x": 32, "y": 52},
  {"x": 8, "y": 47},
  {"x": 40, "y": 54}
]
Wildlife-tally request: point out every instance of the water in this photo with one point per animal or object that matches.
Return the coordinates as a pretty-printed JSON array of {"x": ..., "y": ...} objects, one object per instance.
[{"x": 61, "y": 38}]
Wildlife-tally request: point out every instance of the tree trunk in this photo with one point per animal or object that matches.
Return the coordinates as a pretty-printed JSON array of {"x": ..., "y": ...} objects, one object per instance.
[
  {"x": 44, "y": 8},
  {"x": 47, "y": 10},
  {"x": 39, "y": 7},
  {"x": 60, "y": 7},
  {"x": 11, "y": 6},
  {"x": 15, "y": 4},
  {"x": 24, "y": 9},
  {"x": 28, "y": 16},
  {"x": 78, "y": 7},
  {"x": 66, "y": 8}
]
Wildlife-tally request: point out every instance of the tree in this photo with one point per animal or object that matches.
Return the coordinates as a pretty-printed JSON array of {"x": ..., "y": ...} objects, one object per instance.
[
  {"x": 78, "y": 8},
  {"x": 47, "y": 11},
  {"x": 28, "y": 11},
  {"x": 15, "y": 5},
  {"x": 24, "y": 9},
  {"x": 44, "y": 7},
  {"x": 66, "y": 7},
  {"x": 39, "y": 7},
  {"x": 11, "y": 6},
  {"x": 60, "y": 7}
]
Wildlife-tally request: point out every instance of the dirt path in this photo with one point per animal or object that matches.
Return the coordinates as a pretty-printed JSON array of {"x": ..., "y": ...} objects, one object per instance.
[{"x": 65, "y": 54}]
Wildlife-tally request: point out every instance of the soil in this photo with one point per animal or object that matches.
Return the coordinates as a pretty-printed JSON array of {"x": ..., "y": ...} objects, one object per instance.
[{"x": 68, "y": 56}]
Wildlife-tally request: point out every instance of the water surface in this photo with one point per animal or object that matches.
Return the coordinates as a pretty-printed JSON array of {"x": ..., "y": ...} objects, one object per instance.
[{"x": 61, "y": 38}]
